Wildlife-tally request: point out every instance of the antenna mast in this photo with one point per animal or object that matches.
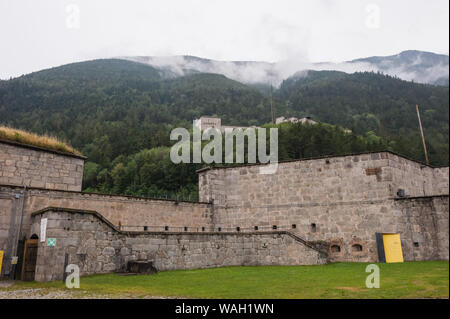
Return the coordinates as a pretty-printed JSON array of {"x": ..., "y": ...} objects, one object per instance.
[{"x": 423, "y": 138}]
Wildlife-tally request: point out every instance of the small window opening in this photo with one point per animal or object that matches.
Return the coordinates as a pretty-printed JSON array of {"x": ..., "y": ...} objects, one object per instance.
[{"x": 335, "y": 249}]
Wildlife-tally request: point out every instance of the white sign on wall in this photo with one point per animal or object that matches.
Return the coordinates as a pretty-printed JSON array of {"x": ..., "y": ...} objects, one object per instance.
[{"x": 43, "y": 229}]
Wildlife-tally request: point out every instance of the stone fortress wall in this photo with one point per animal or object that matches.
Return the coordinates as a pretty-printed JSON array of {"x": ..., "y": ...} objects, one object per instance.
[
  {"x": 34, "y": 167},
  {"x": 97, "y": 246},
  {"x": 332, "y": 205},
  {"x": 127, "y": 213},
  {"x": 343, "y": 201}
]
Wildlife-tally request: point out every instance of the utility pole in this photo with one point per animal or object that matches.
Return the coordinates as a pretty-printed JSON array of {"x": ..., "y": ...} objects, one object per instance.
[
  {"x": 423, "y": 138},
  {"x": 271, "y": 103}
]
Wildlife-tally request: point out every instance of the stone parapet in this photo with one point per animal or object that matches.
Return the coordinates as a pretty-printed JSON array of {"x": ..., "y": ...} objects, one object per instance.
[{"x": 24, "y": 165}]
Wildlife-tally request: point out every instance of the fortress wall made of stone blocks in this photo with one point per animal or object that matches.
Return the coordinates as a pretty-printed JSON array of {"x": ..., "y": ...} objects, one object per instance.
[
  {"x": 131, "y": 213},
  {"x": 342, "y": 201},
  {"x": 371, "y": 176},
  {"x": 327, "y": 180},
  {"x": 415, "y": 178},
  {"x": 423, "y": 223},
  {"x": 342, "y": 224},
  {"x": 95, "y": 246},
  {"x": 30, "y": 166}
]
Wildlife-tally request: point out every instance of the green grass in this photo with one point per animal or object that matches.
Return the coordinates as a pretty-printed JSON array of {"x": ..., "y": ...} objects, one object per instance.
[
  {"x": 44, "y": 141},
  {"x": 428, "y": 279}
]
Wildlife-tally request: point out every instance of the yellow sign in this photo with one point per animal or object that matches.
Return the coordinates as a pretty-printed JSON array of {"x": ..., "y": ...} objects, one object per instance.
[
  {"x": 1, "y": 261},
  {"x": 393, "y": 248}
]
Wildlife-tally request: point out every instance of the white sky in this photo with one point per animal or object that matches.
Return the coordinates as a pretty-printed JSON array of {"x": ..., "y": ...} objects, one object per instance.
[{"x": 37, "y": 34}]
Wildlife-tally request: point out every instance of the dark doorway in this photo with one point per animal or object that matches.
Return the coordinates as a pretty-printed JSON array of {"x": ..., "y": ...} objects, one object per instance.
[{"x": 29, "y": 259}]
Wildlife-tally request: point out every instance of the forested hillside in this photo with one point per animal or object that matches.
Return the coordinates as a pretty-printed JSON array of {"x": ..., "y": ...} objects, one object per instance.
[
  {"x": 366, "y": 102},
  {"x": 120, "y": 113}
]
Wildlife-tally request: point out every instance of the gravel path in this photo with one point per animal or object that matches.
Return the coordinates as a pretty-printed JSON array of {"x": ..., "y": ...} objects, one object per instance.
[
  {"x": 7, "y": 291},
  {"x": 40, "y": 293}
]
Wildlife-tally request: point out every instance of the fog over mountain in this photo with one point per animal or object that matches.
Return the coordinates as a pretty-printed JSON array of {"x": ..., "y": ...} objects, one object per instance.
[{"x": 417, "y": 66}]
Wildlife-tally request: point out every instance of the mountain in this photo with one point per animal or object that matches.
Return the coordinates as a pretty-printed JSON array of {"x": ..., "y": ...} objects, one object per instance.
[
  {"x": 118, "y": 107},
  {"x": 111, "y": 107},
  {"x": 417, "y": 66},
  {"x": 369, "y": 101},
  {"x": 120, "y": 113},
  {"x": 249, "y": 72}
]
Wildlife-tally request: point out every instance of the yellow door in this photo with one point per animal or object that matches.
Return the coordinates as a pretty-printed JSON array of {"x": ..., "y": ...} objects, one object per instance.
[
  {"x": 1, "y": 261},
  {"x": 393, "y": 248}
]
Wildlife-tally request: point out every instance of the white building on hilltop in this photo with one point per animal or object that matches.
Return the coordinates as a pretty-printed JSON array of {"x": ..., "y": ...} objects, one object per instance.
[
  {"x": 206, "y": 122},
  {"x": 306, "y": 119},
  {"x": 302, "y": 120}
]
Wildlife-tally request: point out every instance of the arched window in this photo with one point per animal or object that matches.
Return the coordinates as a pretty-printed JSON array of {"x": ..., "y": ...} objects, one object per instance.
[
  {"x": 34, "y": 236},
  {"x": 356, "y": 247},
  {"x": 335, "y": 248}
]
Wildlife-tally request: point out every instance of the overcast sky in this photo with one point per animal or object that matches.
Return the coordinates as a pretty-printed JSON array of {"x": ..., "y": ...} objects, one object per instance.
[{"x": 38, "y": 34}]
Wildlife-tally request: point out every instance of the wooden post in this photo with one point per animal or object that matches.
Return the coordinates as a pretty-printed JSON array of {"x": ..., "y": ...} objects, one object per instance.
[{"x": 423, "y": 138}]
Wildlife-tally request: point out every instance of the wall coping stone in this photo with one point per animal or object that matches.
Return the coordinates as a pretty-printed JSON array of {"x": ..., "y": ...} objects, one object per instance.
[
  {"x": 38, "y": 148},
  {"x": 105, "y": 195},
  {"x": 207, "y": 168}
]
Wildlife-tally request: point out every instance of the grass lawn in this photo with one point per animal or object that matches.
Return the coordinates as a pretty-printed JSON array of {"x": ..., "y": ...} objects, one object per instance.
[{"x": 429, "y": 279}]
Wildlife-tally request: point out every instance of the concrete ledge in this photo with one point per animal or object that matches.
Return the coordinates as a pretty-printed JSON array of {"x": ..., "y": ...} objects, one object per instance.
[
  {"x": 421, "y": 197},
  {"x": 207, "y": 168},
  {"x": 102, "y": 194}
]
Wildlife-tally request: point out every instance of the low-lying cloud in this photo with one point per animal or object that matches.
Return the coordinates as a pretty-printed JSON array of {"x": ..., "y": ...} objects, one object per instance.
[{"x": 253, "y": 72}]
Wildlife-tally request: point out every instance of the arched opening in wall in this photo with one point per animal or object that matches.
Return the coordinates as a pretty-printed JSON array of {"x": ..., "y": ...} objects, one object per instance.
[
  {"x": 313, "y": 227},
  {"x": 357, "y": 248},
  {"x": 29, "y": 258},
  {"x": 335, "y": 248}
]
